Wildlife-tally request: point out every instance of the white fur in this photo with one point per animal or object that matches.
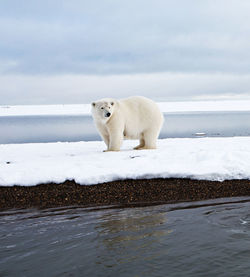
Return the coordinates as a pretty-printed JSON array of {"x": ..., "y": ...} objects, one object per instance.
[{"x": 131, "y": 118}]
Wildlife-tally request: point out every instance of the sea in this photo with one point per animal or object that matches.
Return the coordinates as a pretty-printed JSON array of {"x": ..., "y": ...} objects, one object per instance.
[
  {"x": 48, "y": 128},
  {"x": 205, "y": 238}
]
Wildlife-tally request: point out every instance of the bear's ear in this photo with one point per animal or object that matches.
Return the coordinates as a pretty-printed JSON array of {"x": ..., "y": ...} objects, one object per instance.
[
  {"x": 112, "y": 103},
  {"x": 93, "y": 104}
]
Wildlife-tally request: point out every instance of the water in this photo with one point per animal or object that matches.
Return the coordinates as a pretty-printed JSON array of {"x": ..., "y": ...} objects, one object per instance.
[
  {"x": 207, "y": 238},
  {"x": 23, "y": 129}
]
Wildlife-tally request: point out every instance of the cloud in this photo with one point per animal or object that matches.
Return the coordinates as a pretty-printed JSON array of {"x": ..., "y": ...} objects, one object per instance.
[
  {"x": 110, "y": 37},
  {"x": 74, "y": 51},
  {"x": 30, "y": 89}
]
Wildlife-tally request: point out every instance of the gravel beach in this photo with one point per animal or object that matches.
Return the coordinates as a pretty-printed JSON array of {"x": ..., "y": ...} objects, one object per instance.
[{"x": 122, "y": 192}]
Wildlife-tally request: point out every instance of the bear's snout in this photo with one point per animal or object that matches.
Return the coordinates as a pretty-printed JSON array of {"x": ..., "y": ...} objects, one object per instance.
[{"x": 108, "y": 114}]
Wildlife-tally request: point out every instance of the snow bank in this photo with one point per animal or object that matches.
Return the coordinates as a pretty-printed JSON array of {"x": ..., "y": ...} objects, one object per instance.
[
  {"x": 197, "y": 158},
  {"x": 22, "y": 110},
  {"x": 205, "y": 106},
  {"x": 167, "y": 107}
]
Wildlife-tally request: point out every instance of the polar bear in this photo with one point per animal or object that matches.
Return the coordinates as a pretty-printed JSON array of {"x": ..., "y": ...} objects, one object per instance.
[{"x": 135, "y": 117}]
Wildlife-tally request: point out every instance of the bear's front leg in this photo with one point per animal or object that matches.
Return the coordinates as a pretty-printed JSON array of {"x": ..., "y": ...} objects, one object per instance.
[
  {"x": 104, "y": 133},
  {"x": 106, "y": 140},
  {"x": 115, "y": 140}
]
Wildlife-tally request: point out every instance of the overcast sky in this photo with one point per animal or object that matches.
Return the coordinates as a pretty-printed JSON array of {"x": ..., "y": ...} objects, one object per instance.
[{"x": 76, "y": 51}]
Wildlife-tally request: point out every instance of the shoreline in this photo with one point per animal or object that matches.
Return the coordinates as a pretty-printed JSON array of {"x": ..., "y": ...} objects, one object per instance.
[{"x": 121, "y": 192}]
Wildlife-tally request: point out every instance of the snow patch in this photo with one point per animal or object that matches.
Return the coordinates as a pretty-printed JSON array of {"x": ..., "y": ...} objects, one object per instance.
[{"x": 197, "y": 158}]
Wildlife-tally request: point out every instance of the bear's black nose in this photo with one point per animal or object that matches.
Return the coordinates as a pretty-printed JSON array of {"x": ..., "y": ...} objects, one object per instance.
[{"x": 108, "y": 114}]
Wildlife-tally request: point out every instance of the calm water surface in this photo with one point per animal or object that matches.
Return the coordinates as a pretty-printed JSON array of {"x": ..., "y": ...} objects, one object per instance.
[
  {"x": 208, "y": 238},
  {"x": 22, "y": 129}
]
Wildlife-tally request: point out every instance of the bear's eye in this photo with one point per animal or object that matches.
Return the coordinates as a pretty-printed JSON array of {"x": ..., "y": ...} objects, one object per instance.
[
  {"x": 102, "y": 108},
  {"x": 112, "y": 103}
]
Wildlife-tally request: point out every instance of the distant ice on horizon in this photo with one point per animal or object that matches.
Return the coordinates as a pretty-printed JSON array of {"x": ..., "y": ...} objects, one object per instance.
[{"x": 166, "y": 107}]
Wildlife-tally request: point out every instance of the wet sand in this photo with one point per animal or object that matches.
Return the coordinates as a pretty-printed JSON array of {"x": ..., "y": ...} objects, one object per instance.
[{"x": 123, "y": 192}]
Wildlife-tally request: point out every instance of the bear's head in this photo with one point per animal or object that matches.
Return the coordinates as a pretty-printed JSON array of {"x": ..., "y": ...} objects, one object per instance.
[{"x": 103, "y": 109}]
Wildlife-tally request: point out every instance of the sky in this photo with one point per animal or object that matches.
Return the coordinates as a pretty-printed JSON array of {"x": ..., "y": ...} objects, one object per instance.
[{"x": 77, "y": 51}]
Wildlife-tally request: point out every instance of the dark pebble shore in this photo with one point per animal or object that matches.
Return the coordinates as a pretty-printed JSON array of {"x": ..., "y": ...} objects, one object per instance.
[{"x": 123, "y": 192}]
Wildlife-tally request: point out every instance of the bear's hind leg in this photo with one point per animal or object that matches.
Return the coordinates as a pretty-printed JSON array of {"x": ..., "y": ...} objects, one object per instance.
[
  {"x": 150, "y": 138},
  {"x": 141, "y": 145}
]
